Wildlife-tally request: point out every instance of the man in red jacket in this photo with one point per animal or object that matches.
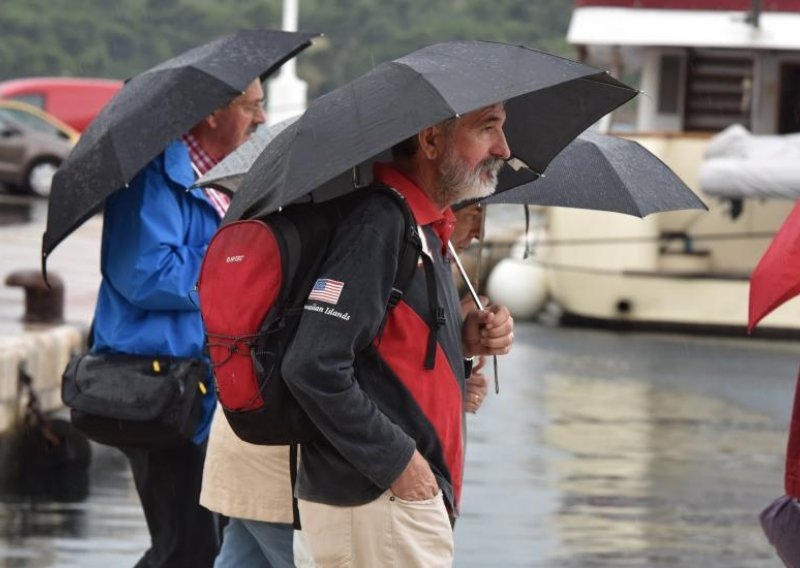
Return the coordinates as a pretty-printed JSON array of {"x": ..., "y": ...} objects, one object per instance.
[{"x": 381, "y": 487}]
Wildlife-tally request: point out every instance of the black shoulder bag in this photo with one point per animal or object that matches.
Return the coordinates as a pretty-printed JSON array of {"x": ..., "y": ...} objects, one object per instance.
[{"x": 133, "y": 400}]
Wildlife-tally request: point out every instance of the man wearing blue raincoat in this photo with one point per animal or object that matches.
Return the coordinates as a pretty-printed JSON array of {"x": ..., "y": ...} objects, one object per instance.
[{"x": 155, "y": 233}]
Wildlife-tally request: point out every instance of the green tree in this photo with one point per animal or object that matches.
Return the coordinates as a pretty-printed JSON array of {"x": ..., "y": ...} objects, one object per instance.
[{"x": 121, "y": 38}]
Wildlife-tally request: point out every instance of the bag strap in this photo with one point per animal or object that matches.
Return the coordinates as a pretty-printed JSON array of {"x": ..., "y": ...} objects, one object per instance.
[
  {"x": 436, "y": 314},
  {"x": 293, "y": 476},
  {"x": 410, "y": 250}
]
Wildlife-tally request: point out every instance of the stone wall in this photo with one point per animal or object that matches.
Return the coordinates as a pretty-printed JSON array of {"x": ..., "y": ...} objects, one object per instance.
[{"x": 44, "y": 352}]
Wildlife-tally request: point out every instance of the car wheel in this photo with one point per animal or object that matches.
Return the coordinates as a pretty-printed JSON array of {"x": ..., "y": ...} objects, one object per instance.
[{"x": 40, "y": 177}]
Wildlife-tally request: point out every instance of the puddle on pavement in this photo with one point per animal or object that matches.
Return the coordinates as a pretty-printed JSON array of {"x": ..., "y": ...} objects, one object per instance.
[
  {"x": 589, "y": 460},
  {"x": 654, "y": 476},
  {"x": 85, "y": 517}
]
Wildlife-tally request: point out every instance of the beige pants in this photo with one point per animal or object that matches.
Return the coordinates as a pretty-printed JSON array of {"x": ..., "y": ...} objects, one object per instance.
[{"x": 387, "y": 532}]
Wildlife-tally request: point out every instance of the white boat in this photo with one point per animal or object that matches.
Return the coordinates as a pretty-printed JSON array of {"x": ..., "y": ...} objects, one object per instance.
[{"x": 702, "y": 65}]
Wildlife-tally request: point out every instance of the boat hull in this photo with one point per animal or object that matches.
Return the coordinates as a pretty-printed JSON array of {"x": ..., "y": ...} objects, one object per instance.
[{"x": 670, "y": 269}]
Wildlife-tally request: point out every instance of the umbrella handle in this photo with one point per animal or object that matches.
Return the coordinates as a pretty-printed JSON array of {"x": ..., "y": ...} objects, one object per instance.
[
  {"x": 478, "y": 304},
  {"x": 470, "y": 287}
]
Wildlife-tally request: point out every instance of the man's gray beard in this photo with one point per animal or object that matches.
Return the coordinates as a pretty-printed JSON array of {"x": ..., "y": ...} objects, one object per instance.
[{"x": 457, "y": 183}]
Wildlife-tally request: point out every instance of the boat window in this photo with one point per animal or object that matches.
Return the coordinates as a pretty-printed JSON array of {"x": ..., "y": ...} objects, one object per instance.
[
  {"x": 789, "y": 106},
  {"x": 669, "y": 85},
  {"x": 718, "y": 93}
]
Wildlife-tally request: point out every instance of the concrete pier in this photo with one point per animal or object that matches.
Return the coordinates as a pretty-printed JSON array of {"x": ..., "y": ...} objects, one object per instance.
[{"x": 42, "y": 349}]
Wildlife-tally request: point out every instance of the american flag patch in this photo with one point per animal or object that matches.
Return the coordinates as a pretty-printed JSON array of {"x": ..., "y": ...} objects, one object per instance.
[{"x": 326, "y": 290}]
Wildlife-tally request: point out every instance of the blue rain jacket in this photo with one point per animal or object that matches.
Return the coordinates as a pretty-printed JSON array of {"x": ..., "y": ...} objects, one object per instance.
[{"x": 155, "y": 233}]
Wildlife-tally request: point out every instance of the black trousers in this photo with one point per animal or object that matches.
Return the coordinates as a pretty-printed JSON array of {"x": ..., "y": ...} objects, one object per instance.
[{"x": 182, "y": 533}]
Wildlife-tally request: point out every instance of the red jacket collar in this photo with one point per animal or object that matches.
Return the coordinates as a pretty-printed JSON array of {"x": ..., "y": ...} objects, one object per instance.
[{"x": 425, "y": 211}]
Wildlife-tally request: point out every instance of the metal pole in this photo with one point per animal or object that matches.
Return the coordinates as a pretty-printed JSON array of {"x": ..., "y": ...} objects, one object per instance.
[
  {"x": 286, "y": 93},
  {"x": 290, "y": 11},
  {"x": 754, "y": 15}
]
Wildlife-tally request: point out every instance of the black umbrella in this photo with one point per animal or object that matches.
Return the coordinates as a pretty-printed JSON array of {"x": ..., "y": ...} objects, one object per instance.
[
  {"x": 152, "y": 109},
  {"x": 549, "y": 101},
  {"x": 605, "y": 173}
]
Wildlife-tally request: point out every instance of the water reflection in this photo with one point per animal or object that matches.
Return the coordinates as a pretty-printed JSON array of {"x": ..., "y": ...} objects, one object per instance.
[
  {"x": 44, "y": 461},
  {"x": 632, "y": 479},
  {"x": 613, "y": 450},
  {"x": 105, "y": 530}
]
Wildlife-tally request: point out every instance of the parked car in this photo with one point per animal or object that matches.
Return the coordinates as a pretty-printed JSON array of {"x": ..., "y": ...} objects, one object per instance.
[
  {"x": 74, "y": 100},
  {"x": 38, "y": 119},
  {"x": 29, "y": 157}
]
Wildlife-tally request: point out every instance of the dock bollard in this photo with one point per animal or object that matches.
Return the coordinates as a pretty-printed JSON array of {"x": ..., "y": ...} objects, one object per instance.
[{"x": 43, "y": 304}]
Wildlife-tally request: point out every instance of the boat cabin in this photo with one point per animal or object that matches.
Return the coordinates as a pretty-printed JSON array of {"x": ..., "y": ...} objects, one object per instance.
[{"x": 702, "y": 64}]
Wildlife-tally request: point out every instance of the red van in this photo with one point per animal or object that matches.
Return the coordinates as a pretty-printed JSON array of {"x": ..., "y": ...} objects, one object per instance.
[{"x": 75, "y": 100}]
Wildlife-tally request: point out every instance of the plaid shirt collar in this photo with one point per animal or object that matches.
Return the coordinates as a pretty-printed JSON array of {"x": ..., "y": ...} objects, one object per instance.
[
  {"x": 200, "y": 158},
  {"x": 203, "y": 162}
]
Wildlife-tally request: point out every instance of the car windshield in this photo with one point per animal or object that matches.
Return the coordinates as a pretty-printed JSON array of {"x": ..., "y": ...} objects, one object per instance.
[
  {"x": 31, "y": 99},
  {"x": 33, "y": 121}
]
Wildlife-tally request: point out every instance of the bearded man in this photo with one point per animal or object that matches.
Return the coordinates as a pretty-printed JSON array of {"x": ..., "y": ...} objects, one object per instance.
[{"x": 383, "y": 486}]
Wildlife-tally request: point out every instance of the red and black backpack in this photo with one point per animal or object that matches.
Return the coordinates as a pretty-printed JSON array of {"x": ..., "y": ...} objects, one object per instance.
[{"x": 254, "y": 280}]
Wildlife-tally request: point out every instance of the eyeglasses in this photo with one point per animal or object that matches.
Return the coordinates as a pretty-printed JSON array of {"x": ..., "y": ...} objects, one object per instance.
[{"x": 254, "y": 108}]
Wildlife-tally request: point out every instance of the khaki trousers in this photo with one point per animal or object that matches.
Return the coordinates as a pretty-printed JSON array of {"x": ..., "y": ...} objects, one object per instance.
[{"x": 387, "y": 532}]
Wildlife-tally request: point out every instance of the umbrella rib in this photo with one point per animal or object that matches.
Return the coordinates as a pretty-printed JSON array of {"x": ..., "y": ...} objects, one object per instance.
[
  {"x": 215, "y": 78},
  {"x": 421, "y": 78},
  {"x": 122, "y": 174},
  {"x": 616, "y": 84},
  {"x": 628, "y": 195}
]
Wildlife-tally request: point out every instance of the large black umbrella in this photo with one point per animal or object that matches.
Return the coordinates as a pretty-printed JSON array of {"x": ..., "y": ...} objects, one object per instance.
[
  {"x": 605, "y": 173},
  {"x": 549, "y": 101},
  {"x": 152, "y": 109}
]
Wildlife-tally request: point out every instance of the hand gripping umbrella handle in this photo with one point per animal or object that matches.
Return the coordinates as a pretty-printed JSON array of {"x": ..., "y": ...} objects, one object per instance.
[{"x": 478, "y": 304}]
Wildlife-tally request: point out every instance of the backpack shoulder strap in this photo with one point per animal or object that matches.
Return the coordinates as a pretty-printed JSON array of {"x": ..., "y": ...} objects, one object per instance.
[{"x": 411, "y": 252}]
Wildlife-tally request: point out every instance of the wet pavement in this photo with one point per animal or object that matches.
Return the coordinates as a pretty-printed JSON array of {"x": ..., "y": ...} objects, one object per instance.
[
  {"x": 627, "y": 450},
  {"x": 602, "y": 449}
]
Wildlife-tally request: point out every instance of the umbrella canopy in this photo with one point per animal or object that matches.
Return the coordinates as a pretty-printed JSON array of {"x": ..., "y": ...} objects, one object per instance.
[
  {"x": 549, "y": 101},
  {"x": 227, "y": 174},
  {"x": 605, "y": 173},
  {"x": 152, "y": 109},
  {"x": 776, "y": 278}
]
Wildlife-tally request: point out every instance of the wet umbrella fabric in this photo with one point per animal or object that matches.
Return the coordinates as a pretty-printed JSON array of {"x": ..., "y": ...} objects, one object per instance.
[
  {"x": 227, "y": 174},
  {"x": 549, "y": 101},
  {"x": 776, "y": 278},
  {"x": 606, "y": 173},
  {"x": 152, "y": 109}
]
